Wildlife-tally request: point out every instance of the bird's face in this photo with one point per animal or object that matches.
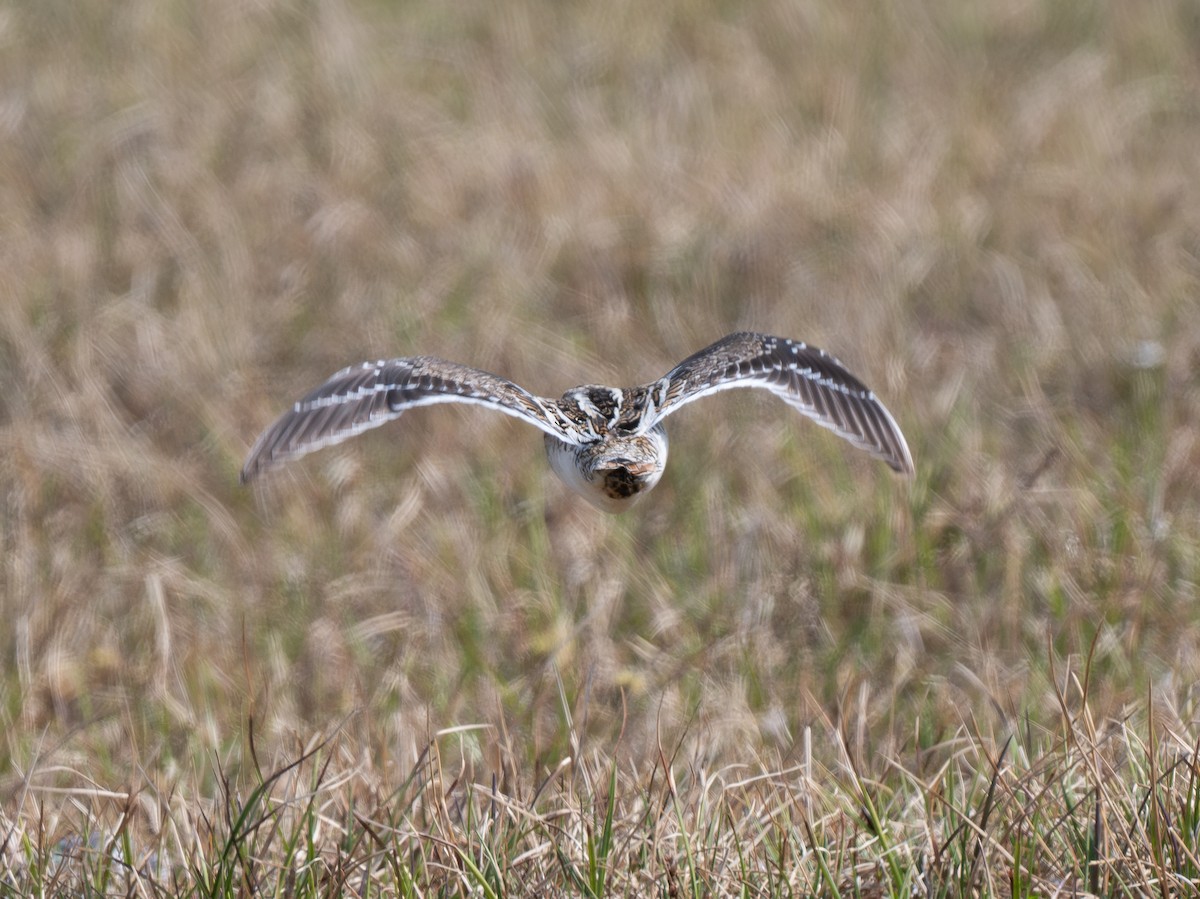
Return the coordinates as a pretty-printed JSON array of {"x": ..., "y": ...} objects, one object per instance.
[{"x": 614, "y": 472}]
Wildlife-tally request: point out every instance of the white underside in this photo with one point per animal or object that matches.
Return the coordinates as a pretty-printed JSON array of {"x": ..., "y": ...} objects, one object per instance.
[{"x": 563, "y": 461}]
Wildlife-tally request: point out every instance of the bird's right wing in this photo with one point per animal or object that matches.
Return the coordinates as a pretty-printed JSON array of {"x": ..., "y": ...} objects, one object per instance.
[{"x": 806, "y": 378}]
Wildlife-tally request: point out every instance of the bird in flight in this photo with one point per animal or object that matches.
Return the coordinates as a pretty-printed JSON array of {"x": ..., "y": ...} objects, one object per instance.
[{"x": 605, "y": 443}]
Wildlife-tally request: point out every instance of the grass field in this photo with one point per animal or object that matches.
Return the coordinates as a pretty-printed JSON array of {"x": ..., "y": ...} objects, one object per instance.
[{"x": 415, "y": 665}]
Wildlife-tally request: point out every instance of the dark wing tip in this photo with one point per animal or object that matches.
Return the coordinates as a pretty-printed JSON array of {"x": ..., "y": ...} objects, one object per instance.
[
  {"x": 900, "y": 461},
  {"x": 256, "y": 463},
  {"x": 894, "y": 448},
  {"x": 347, "y": 403},
  {"x": 265, "y": 452}
]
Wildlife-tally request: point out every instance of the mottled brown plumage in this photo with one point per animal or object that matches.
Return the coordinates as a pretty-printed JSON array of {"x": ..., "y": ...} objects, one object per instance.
[{"x": 606, "y": 443}]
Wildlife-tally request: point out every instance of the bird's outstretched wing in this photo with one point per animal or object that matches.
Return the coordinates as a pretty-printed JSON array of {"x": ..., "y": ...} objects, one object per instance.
[
  {"x": 805, "y": 377},
  {"x": 366, "y": 396}
]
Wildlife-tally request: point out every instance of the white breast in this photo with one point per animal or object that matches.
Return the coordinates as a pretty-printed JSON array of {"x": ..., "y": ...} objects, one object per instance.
[
  {"x": 612, "y": 475},
  {"x": 562, "y": 457}
]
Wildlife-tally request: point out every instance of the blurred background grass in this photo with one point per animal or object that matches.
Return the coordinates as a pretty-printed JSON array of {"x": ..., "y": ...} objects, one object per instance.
[{"x": 991, "y": 211}]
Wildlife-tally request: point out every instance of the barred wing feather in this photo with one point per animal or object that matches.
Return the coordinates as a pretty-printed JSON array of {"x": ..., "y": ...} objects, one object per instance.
[
  {"x": 366, "y": 396},
  {"x": 808, "y": 379}
]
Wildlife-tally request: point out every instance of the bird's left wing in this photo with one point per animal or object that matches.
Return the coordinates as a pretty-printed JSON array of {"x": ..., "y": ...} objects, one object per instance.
[
  {"x": 366, "y": 396},
  {"x": 806, "y": 378}
]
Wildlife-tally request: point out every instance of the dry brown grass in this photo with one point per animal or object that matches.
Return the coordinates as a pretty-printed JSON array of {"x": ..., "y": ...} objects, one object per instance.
[{"x": 990, "y": 210}]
